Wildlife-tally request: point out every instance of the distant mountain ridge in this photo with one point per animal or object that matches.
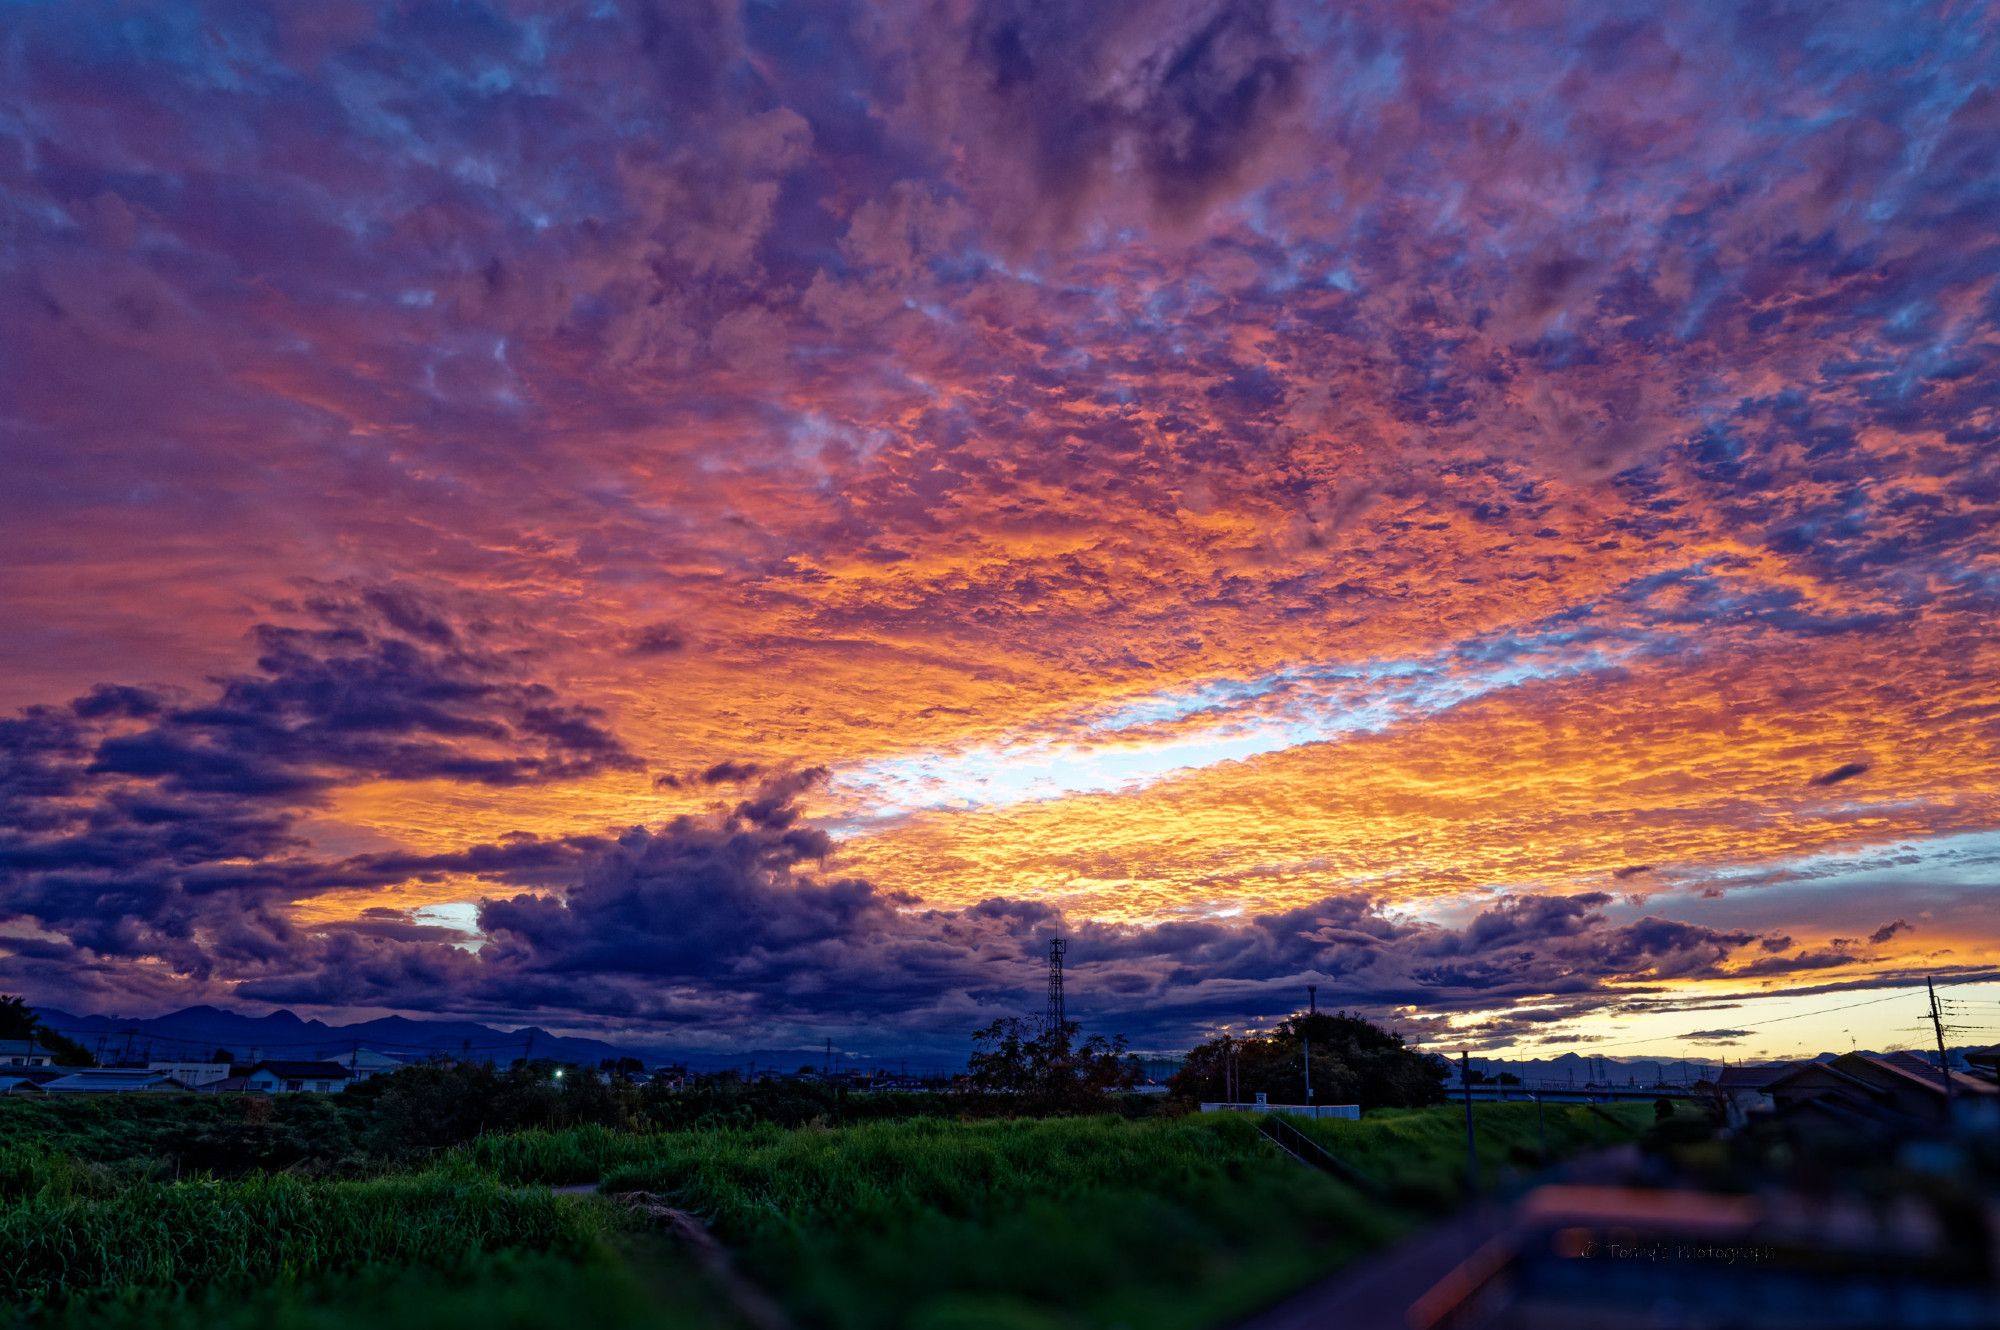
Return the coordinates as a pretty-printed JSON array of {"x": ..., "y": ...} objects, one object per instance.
[{"x": 195, "y": 1032}]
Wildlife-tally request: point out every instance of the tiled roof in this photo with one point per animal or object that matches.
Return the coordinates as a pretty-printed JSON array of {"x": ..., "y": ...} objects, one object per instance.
[{"x": 303, "y": 1071}]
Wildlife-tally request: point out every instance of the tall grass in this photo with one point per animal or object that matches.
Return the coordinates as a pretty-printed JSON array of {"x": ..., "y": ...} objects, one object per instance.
[
  {"x": 575, "y": 1154},
  {"x": 1083, "y": 1222},
  {"x": 1420, "y": 1153},
  {"x": 507, "y": 1291},
  {"x": 56, "y": 1245}
]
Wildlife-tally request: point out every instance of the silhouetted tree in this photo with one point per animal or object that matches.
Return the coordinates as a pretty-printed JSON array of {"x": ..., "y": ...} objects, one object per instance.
[
  {"x": 19, "y": 1021},
  {"x": 1049, "y": 1070},
  {"x": 1354, "y": 1061}
]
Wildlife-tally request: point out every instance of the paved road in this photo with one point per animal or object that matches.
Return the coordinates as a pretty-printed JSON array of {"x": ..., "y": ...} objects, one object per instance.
[{"x": 1375, "y": 1292}]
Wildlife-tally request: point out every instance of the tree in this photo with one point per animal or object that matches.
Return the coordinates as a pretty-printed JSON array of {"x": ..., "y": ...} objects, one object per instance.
[
  {"x": 19, "y": 1021},
  {"x": 223, "y": 1055},
  {"x": 1354, "y": 1061},
  {"x": 1050, "y": 1070}
]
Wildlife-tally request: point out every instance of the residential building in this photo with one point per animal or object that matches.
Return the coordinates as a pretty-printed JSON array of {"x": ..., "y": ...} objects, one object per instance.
[
  {"x": 111, "y": 1080},
  {"x": 281, "y": 1077},
  {"x": 192, "y": 1074},
  {"x": 1871, "y": 1094},
  {"x": 1745, "y": 1091},
  {"x": 366, "y": 1062},
  {"x": 24, "y": 1053}
]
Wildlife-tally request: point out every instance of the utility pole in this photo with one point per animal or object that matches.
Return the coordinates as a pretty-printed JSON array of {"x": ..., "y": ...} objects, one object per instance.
[
  {"x": 1944, "y": 1064},
  {"x": 1312, "y": 1002},
  {"x": 1058, "y": 1018},
  {"x": 1471, "y": 1142}
]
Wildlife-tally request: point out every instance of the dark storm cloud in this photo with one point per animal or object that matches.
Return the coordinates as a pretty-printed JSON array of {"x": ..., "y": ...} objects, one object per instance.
[
  {"x": 1063, "y": 103},
  {"x": 1889, "y": 930},
  {"x": 1845, "y": 771},
  {"x": 332, "y": 705},
  {"x": 729, "y": 920},
  {"x": 655, "y": 639},
  {"x": 1717, "y": 1036},
  {"x": 144, "y": 822}
]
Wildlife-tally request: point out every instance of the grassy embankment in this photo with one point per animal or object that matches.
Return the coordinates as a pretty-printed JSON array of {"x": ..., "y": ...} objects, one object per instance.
[
  {"x": 1419, "y": 1154},
  {"x": 926, "y": 1224}
]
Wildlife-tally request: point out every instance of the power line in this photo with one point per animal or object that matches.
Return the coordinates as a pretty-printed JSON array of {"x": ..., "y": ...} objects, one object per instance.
[{"x": 1775, "y": 1020}]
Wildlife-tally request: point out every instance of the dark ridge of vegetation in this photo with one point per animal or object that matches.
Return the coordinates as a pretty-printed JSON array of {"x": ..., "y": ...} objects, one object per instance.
[
  {"x": 1046, "y": 1068},
  {"x": 408, "y": 1116},
  {"x": 1353, "y": 1061},
  {"x": 150, "y": 1135}
]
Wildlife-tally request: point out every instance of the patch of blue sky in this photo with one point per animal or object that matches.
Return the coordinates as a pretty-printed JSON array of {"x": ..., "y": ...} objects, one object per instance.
[
  {"x": 1958, "y": 859},
  {"x": 459, "y": 916},
  {"x": 1134, "y": 744}
]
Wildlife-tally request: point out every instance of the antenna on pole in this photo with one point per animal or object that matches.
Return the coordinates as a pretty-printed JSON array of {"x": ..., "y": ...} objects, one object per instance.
[
  {"x": 1057, "y": 1019},
  {"x": 1944, "y": 1061}
]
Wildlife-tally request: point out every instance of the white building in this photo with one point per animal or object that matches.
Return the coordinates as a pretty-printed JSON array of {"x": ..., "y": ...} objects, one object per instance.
[
  {"x": 192, "y": 1074},
  {"x": 296, "y": 1077},
  {"x": 366, "y": 1062},
  {"x": 111, "y": 1080},
  {"x": 24, "y": 1053}
]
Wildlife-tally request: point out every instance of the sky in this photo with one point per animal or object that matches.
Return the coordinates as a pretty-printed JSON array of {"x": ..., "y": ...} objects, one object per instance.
[{"x": 727, "y": 522}]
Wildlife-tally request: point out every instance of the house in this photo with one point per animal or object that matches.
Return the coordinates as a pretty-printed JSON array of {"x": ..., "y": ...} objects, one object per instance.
[
  {"x": 227, "y": 1085},
  {"x": 365, "y": 1062},
  {"x": 1984, "y": 1063},
  {"x": 192, "y": 1074},
  {"x": 294, "y": 1077},
  {"x": 111, "y": 1080},
  {"x": 24, "y": 1053},
  {"x": 1870, "y": 1094},
  {"x": 1745, "y": 1091}
]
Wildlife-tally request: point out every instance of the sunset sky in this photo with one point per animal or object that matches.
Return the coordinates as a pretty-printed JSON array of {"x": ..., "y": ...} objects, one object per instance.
[{"x": 712, "y": 523}]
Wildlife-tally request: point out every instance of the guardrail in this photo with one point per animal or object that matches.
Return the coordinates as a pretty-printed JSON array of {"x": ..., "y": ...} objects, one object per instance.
[
  {"x": 1347, "y": 1112},
  {"x": 1314, "y": 1155}
]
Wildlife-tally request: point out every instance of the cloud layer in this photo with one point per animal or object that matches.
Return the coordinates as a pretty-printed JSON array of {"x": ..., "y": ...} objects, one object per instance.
[{"x": 1191, "y": 463}]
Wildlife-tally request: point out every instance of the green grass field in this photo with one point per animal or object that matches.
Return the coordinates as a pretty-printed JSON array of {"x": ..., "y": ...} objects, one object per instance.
[
  {"x": 1061, "y": 1222},
  {"x": 924, "y": 1223},
  {"x": 1419, "y": 1154}
]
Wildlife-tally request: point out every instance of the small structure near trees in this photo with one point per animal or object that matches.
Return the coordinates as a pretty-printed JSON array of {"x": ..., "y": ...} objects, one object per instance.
[{"x": 1353, "y": 1062}]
